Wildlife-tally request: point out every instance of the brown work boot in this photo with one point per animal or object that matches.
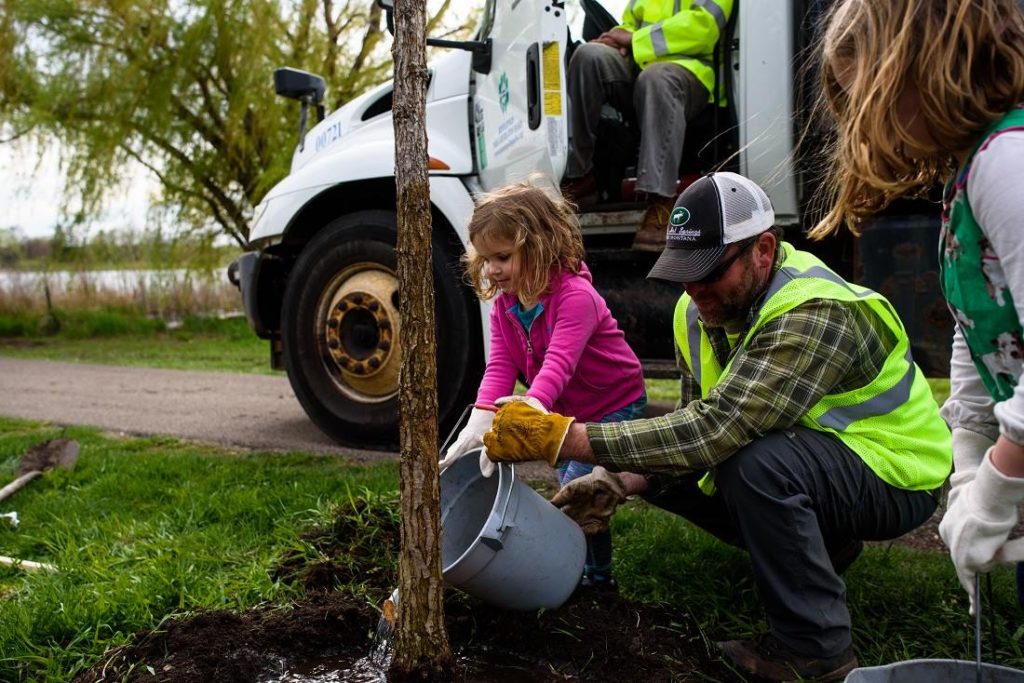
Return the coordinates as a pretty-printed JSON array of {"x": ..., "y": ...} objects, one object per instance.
[
  {"x": 769, "y": 659},
  {"x": 651, "y": 235},
  {"x": 581, "y": 191}
]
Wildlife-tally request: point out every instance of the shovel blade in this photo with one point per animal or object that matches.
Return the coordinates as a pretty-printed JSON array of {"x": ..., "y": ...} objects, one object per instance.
[{"x": 49, "y": 455}]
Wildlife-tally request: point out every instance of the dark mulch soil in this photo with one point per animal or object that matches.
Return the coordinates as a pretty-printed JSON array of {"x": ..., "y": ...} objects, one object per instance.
[
  {"x": 232, "y": 647},
  {"x": 594, "y": 637}
]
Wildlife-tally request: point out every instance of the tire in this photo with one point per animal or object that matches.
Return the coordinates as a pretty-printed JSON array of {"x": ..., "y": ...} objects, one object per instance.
[{"x": 340, "y": 331}]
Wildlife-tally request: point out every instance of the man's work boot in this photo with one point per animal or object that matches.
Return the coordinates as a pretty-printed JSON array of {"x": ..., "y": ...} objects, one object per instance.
[
  {"x": 651, "y": 235},
  {"x": 581, "y": 191},
  {"x": 769, "y": 659}
]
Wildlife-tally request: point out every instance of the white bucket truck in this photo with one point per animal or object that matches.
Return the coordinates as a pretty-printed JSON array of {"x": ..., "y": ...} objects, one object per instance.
[{"x": 321, "y": 285}]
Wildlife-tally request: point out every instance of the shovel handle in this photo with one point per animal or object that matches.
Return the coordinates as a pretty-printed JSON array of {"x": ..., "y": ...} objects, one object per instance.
[
  {"x": 18, "y": 484},
  {"x": 977, "y": 628},
  {"x": 25, "y": 564}
]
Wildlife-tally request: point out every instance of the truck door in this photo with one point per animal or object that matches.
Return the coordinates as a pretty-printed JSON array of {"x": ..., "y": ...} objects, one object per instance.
[{"x": 520, "y": 105}]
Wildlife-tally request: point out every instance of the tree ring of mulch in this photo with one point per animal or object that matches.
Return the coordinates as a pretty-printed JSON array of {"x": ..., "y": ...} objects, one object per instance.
[{"x": 594, "y": 637}]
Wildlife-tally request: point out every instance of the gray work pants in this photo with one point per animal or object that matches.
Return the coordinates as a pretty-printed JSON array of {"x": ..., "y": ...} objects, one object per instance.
[
  {"x": 663, "y": 97},
  {"x": 788, "y": 498}
]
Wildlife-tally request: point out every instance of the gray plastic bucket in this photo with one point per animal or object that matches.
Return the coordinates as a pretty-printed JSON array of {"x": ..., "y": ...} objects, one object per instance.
[
  {"x": 935, "y": 671},
  {"x": 503, "y": 542}
]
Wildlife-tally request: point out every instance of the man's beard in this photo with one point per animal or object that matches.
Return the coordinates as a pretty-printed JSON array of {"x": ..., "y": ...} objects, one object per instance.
[{"x": 731, "y": 308}]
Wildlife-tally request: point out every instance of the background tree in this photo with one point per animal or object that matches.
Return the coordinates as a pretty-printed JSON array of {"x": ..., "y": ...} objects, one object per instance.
[
  {"x": 421, "y": 642},
  {"x": 182, "y": 88}
]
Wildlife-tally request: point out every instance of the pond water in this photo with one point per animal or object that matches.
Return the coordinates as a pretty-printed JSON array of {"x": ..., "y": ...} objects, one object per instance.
[{"x": 117, "y": 281}]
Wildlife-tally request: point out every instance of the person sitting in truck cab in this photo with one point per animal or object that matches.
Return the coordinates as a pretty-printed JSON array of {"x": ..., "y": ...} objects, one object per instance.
[{"x": 658, "y": 62}]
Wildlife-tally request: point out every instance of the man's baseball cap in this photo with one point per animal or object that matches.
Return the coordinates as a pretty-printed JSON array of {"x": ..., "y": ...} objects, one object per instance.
[{"x": 712, "y": 213}]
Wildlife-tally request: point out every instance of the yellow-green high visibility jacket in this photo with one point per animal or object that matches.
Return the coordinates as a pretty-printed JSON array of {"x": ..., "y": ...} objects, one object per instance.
[
  {"x": 684, "y": 32},
  {"x": 893, "y": 423}
]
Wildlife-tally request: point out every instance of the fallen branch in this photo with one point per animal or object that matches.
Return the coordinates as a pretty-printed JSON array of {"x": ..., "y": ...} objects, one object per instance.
[{"x": 26, "y": 564}]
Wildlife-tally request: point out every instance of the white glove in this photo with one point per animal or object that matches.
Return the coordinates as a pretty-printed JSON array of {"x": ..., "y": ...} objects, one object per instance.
[
  {"x": 969, "y": 450},
  {"x": 528, "y": 400},
  {"x": 978, "y": 521},
  {"x": 471, "y": 436}
]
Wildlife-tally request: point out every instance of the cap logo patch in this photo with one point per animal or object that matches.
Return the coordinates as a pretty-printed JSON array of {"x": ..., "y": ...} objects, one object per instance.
[{"x": 680, "y": 215}]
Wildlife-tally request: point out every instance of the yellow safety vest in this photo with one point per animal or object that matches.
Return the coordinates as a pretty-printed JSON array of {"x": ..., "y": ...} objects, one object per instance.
[
  {"x": 683, "y": 32},
  {"x": 892, "y": 423}
]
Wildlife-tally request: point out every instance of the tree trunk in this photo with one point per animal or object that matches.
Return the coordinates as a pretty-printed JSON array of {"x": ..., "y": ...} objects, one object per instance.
[{"x": 421, "y": 643}]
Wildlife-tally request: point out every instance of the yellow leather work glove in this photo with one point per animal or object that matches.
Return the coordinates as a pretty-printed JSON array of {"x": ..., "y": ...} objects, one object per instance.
[
  {"x": 521, "y": 433},
  {"x": 591, "y": 499}
]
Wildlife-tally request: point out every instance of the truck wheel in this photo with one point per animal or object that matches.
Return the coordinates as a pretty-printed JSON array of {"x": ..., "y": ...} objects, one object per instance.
[{"x": 341, "y": 332}]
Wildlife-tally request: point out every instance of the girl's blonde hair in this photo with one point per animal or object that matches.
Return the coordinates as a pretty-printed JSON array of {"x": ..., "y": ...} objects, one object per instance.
[
  {"x": 544, "y": 232},
  {"x": 966, "y": 59}
]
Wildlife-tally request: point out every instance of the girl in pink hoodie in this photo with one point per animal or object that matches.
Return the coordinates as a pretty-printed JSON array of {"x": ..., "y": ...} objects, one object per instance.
[{"x": 549, "y": 328}]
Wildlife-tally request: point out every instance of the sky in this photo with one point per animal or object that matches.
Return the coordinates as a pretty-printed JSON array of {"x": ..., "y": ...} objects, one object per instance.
[{"x": 31, "y": 187}]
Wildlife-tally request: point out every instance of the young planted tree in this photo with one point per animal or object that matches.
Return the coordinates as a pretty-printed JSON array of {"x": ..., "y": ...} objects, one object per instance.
[{"x": 421, "y": 643}]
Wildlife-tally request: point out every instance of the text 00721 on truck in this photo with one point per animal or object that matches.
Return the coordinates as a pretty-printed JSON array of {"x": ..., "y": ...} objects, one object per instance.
[{"x": 320, "y": 283}]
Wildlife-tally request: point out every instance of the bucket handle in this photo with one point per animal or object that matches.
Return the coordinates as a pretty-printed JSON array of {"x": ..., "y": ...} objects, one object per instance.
[
  {"x": 456, "y": 428},
  {"x": 495, "y": 542}
]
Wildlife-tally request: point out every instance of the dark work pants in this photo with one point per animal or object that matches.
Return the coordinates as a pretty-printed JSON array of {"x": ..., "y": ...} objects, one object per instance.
[
  {"x": 664, "y": 96},
  {"x": 788, "y": 498}
]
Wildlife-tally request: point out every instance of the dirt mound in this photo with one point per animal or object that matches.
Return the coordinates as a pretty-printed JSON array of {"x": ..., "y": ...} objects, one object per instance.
[
  {"x": 238, "y": 647},
  {"x": 350, "y": 563},
  {"x": 596, "y": 637}
]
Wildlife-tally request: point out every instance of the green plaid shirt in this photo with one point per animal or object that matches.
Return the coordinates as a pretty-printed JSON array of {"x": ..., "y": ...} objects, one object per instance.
[{"x": 820, "y": 347}]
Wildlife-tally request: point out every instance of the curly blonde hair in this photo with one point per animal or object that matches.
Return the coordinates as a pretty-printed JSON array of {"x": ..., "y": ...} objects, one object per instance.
[
  {"x": 966, "y": 59},
  {"x": 544, "y": 232}
]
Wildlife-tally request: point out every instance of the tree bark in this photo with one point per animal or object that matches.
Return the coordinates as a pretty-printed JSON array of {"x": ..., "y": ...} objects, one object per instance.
[{"x": 421, "y": 643}]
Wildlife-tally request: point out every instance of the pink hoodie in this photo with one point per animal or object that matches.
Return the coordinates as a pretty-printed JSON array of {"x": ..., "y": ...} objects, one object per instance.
[{"x": 575, "y": 361}]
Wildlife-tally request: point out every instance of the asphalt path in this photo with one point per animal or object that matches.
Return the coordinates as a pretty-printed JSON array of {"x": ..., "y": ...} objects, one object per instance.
[
  {"x": 251, "y": 412},
  {"x": 257, "y": 412}
]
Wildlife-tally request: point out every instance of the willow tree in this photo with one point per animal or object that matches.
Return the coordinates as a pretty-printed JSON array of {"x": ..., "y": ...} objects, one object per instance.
[
  {"x": 421, "y": 643},
  {"x": 182, "y": 88}
]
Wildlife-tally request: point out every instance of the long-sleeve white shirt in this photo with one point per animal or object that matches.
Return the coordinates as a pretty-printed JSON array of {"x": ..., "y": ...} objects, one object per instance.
[{"x": 996, "y": 190}]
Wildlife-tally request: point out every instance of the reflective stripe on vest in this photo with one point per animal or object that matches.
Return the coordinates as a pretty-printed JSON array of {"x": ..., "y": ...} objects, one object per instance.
[
  {"x": 892, "y": 423},
  {"x": 680, "y": 33},
  {"x": 713, "y": 9}
]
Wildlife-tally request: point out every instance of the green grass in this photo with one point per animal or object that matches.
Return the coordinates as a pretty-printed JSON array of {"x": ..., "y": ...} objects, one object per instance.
[
  {"x": 118, "y": 338},
  {"x": 146, "y": 528},
  {"x": 904, "y": 603}
]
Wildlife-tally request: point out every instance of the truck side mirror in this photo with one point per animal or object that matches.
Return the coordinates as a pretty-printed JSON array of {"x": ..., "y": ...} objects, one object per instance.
[
  {"x": 305, "y": 87},
  {"x": 481, "y": 49}
]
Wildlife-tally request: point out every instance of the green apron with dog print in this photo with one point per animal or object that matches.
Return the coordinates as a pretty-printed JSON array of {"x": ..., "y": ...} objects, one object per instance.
[{"x": 973, "y": 281}]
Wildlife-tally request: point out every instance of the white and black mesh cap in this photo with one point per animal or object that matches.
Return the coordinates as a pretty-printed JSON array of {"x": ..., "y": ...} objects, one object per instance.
[{"x": 712, "y": 213}]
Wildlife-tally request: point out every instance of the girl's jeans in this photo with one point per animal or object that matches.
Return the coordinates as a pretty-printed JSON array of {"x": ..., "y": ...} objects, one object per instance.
[{"x": 599, "y": 546}]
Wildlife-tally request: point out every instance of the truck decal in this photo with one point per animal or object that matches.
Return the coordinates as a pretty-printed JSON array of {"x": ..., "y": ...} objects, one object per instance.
[
  {"x": 510, "y": 132},
  {"x": 552, "y": 80}
]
